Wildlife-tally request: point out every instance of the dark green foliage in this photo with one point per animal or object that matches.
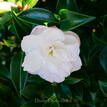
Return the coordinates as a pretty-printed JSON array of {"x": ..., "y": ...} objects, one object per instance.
[
  {"x": 18, "y": 76},
  {"x": 103, "y": 58},
  {"x": 71, "y": 20},
  {"x": 37, "y": 16}
]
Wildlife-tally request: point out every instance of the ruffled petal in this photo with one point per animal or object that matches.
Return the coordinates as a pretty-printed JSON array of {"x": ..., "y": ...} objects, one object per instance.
[{"x": 64, "y": 57}]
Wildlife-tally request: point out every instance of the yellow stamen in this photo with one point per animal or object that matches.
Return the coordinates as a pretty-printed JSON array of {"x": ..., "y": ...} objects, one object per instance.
[{"x": 51, "y": 53}]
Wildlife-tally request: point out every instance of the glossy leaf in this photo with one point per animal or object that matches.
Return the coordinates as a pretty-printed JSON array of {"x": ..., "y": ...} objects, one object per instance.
[
  {"x": 21, "y": 28},
  {"x": 37, "y": 16},
  {"x": 71, "y": 20},
  {"x": 18, "y": 76},
  {"x": 103, "y": 87},
  {"x": 72, "y": 80},
  {"x": 103, "y": 58}
]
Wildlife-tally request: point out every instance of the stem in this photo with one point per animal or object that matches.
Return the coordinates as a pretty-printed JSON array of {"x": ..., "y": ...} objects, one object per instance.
[{"x": 53, "y": 87}]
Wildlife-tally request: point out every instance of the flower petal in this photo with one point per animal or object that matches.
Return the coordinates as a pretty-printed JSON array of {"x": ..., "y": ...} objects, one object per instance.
[{"x": 38, "y": 29}]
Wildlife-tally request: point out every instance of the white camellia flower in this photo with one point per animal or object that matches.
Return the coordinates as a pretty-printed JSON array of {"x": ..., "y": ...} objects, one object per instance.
[
  {"x": 6, "y": 6},
  {"x": 51, "y": 53}
]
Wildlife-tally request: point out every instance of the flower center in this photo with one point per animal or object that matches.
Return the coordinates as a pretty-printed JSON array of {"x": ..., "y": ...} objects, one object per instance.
[{"x": 51, "y": 50}]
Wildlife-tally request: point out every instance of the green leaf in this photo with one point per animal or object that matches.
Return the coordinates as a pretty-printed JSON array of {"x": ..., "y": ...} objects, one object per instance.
[
  {"x": 31, "y": 91},
  {"x": 37, "y": 16},
  {"x": 21, "y": 28},
  {"x": 71, "y": 20},
  {"x": 9, "y": 43},
  {"x": 32, "y": 3},
  {"x": 18, "y": 76},
  {"x": 61, "y": 4},
  {"x": 3, "y": 11},
  {"x": 28, "y": 3},
  {"x": 52, "y": 102},
  {"x": 1, "y": 47},
  {"x": 99, "y": 40},
  {"x": 4, "y": 73},
  {"x": 103, "y": 58},
  {"x": 35, "y": 79},
  {"x": 103, "y": 87},
  {"x": 5, "y": 18},
  {"x": 72, "y": 80},
  {"x": 67, "y": 4},
  {"x": 65, "y": 91},
  {"x": 8, "y": 97},
  {"x": 48, "y": 90},
  {"x": 12, "y": 1}
]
